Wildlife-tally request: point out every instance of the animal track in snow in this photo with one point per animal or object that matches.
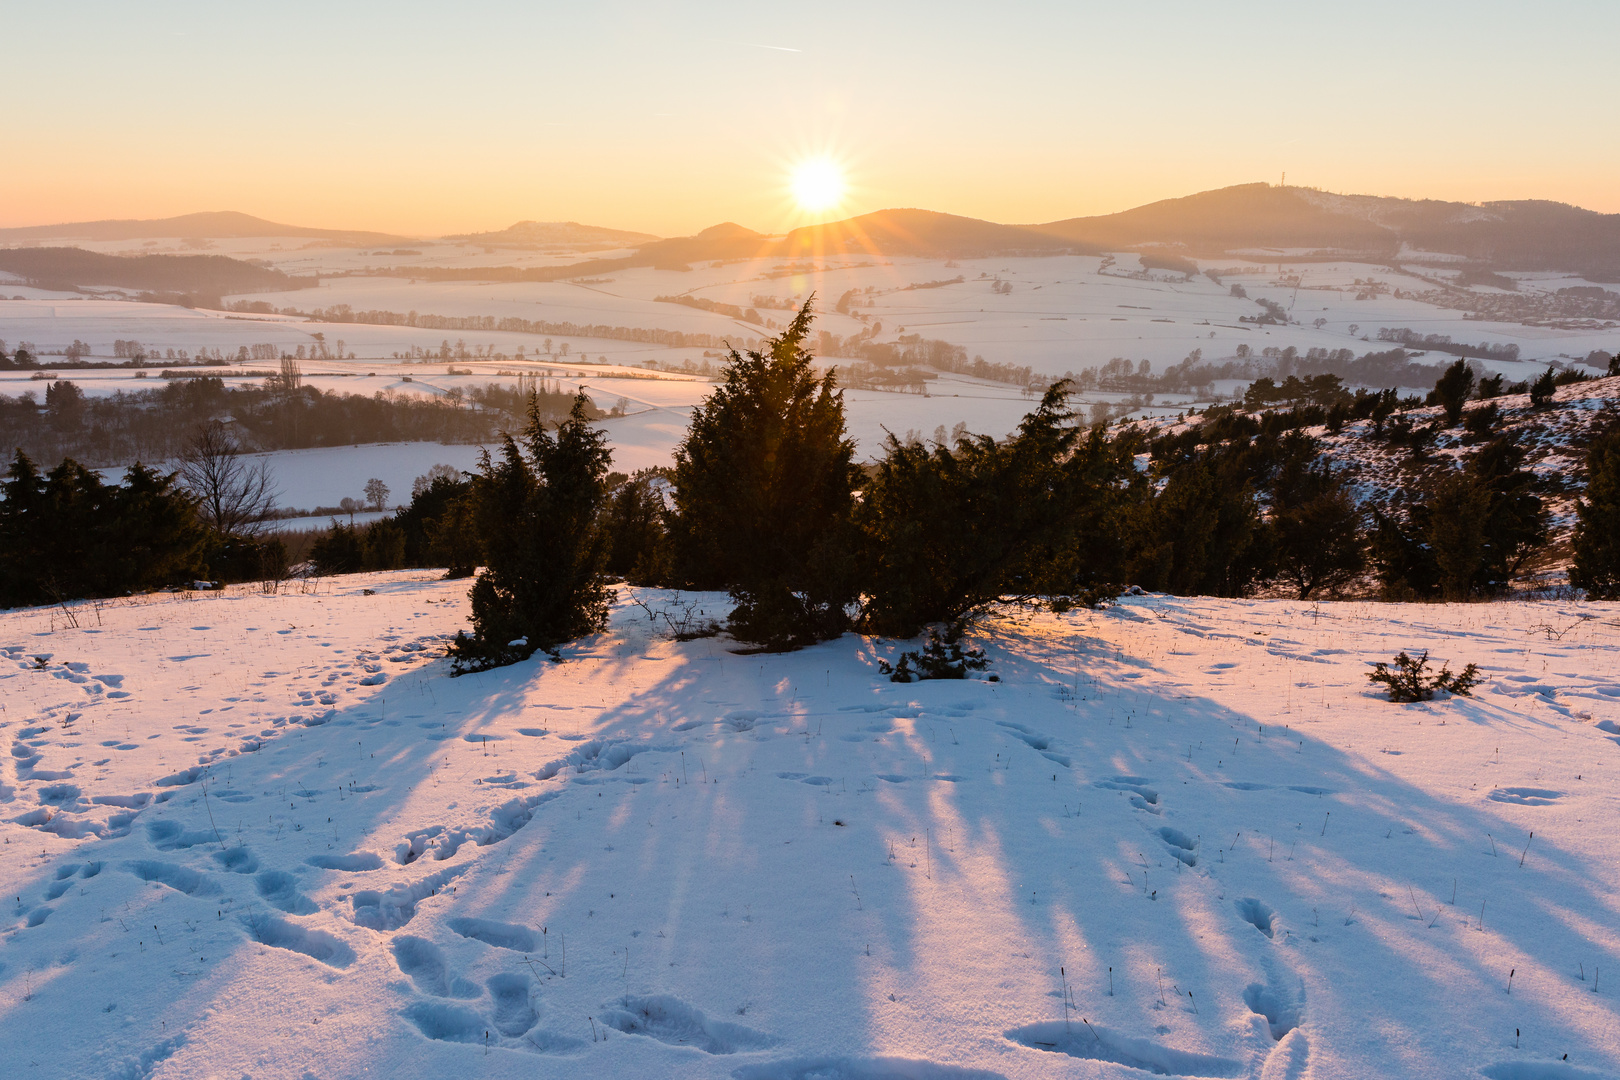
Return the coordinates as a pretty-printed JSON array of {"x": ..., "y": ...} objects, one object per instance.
[
  {"x": 175, "y": 877},
  {"x": 446, "y": 1023},
  {"x": 280, "y": 889},
  {"x": 1095, "y": 1043},
  {"x": 424, "y": 962},
  {"x": 595, "y": 754},
  {"x": 238, "y": 860},
  {"x": 505, "y": 820},
  {"x": 168, "y": 835},
  {"x": 360, "y": 860},
  {"x": 1133, "y": 784},
  {"x": 1256, "y": 914},
  {"x": 671, "y": 1020},
  {"x": 501, "y": 935},
  {"x": 1526, "y": 796},
  {"x": 514, "y": 1011},
  {"x": 843, "y": 1068},
  {"x": 1036, "y": 741},
  {"x": 392, "y": 908},
  {"x": 1180, "y": 844},
  {"x": 316, "y": 944},
  {"x": 1281, "y": 1010}
]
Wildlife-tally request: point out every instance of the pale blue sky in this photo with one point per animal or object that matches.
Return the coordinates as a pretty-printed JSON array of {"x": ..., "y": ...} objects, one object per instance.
[{"x": 669, "y": 117}]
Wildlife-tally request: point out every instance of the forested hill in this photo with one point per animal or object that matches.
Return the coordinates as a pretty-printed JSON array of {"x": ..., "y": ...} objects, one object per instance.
[
  {"x": 198, "y": 276},
  {"x": 1398, "y": 458}
]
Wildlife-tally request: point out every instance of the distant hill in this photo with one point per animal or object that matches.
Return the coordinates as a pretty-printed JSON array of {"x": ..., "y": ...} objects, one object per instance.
[
  {"x": 1525, "y": 235},
  {"x": 1234, "y": 218},
  {"x": 569, "y": 234},
  {"x": 884, "y": 232},
  {"x": 727, "y": 240},
  {"x": 926, "y": 233},
  {"x": 201, "y": 277},
  {"x": 217, "y": 225}
]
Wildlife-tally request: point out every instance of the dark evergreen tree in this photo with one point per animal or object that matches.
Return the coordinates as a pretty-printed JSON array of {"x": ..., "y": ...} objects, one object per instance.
[
  {"x": 638, "y": 543},
  {"x": 438, "y": 525},
  {"x": 1516, "y": 526},
  {"x": 338, "y": 550},
  {"x": 1466, "y": 534},
  {"x": 764, "y": 495},
  {"x": 1597, "y": 529},
  {"x": 452, "y": 537},
  {"x": 949, "y": 530},
  {"x": 154, "y": 535},
  {"x": 67, "y": 535},
  {"x": 538, "y": 509},
  {"x": 1459, "y": 508},
  {"x": 1452, "y": 391},
  {"x": 1199, "y": 536},
  {"x": 382, "y": 547},
  {"x": 1316, "y": 528},
  {"x": 1541, "y": 391}
]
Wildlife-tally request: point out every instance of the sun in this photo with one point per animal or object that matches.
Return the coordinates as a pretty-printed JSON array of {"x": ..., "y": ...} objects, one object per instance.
[{"x": 817, "y": 185}]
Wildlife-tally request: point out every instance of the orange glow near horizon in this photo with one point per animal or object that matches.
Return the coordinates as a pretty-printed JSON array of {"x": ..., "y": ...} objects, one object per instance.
[{"x": 668, "y": 120}]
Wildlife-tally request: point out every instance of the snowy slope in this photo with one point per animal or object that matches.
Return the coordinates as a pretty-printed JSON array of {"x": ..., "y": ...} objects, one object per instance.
[{"x": 267, "y": 836}]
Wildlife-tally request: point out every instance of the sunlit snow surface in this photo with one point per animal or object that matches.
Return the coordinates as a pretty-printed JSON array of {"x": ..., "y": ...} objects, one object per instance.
[{"x": 268, "y": 836}]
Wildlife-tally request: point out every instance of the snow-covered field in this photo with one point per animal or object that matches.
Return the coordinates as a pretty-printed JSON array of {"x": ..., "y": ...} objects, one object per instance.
[
  {"x": 268, "y": 836},
  {"x": 1062, "y": 314}
]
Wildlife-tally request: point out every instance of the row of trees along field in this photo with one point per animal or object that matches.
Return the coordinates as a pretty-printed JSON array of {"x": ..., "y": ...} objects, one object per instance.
[
  {"x": 279, "y": 413},
  {"x": 766, "y": 502},
  {"x": 67, "y": 534}
]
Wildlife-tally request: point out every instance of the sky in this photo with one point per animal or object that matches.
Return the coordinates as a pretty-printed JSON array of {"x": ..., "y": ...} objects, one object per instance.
[{"x": 662, "y": 117}]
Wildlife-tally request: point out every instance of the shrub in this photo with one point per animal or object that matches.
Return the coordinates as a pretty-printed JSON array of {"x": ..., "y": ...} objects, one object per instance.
[
  {"x": 1410, "y": 681},
  {"x": 942, "y": 658}
]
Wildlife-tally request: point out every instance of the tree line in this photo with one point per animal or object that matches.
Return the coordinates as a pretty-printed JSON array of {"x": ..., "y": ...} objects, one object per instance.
[
  {"x": 766, "y": 502},
  {"x": 278, "y": 414}
]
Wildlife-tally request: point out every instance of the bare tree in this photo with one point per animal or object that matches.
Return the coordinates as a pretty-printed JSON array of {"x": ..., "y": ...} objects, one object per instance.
[
  {"x": 376, "y": 492},
  {"x": 234, "y": 495},
  {"x": 426, "y": 481},
  {"x": 288, "y": 381}
]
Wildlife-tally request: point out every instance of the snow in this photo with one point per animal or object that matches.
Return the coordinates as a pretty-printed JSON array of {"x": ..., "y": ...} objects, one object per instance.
[
  {"x": 1064, "y": 313},
  {"x": 269, "y": 836}
]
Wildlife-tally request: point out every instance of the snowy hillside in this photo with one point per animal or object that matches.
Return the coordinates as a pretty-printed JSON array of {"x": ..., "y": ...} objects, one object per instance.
[{"x": 268, "y": 836}]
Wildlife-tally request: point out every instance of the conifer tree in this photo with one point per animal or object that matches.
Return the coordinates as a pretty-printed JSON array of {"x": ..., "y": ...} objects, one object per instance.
[
  {"x": 1202, "y": 534},
  {"x": 638, "y": 540},
  {"x": 1452, "y": 391},
  {"x": 1467, "y": 533},
  {"x": 1597, "y": 529},
  {"x": 67, "y": 534},
  {"x": 1541, "y": 391},
  {"x": 948, "y": 530},
  {"x": 537, "y": 509},
  {"x": 764, "y": 495},
  {"x": 1318, "y": 535}
]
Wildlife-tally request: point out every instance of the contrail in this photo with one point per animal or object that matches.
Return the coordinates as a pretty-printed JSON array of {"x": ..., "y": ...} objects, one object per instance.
[{"x": 756, "y": 45}]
